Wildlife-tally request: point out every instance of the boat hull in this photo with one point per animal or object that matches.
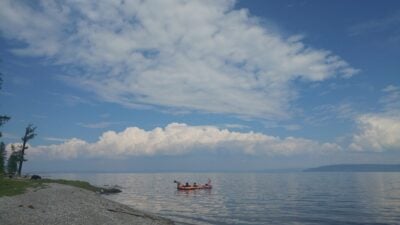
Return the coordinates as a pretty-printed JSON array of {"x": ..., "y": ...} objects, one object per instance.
[{"x": 182, "y": 188}]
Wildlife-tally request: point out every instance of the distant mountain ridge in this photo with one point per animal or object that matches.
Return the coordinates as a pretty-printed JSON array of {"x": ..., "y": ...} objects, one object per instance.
[{"x": 356, "y": 168}]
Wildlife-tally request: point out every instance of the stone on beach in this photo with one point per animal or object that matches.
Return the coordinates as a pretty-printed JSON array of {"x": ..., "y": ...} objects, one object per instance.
[{"x": 61, "y": 205}]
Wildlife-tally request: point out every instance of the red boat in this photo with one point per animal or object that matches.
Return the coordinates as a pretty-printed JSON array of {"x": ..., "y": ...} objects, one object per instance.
[{"x": 187, "y": 187}]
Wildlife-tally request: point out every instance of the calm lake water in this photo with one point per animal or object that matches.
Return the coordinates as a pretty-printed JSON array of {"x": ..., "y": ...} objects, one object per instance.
[{"x": 260, "y": 198}]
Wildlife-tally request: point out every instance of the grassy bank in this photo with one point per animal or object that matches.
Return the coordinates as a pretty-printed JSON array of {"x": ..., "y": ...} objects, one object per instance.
[{"x": 10, "y": 187}]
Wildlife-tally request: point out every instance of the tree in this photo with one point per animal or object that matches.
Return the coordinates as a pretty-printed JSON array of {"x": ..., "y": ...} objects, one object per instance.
[
  {"x": 12, "y": 163},
  {"x": 2, "y": 157},
  {"x": 29, "y": 134},
  {"x": 3, "y": 119}
]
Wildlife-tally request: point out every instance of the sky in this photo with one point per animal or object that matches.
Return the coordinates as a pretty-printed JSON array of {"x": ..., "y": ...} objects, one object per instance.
[{"x": 201, "y": 85}]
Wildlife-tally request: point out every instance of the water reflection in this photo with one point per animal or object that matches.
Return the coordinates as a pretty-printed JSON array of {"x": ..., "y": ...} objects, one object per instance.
[{"x": 261, "y": 198}]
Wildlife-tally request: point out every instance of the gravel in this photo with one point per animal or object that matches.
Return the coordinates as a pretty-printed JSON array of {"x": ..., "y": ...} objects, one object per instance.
[{"x": 61, "y": 204}]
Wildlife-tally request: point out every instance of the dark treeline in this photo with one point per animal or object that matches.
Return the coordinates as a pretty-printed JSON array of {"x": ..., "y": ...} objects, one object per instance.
[{"x": 16, "y": 157}]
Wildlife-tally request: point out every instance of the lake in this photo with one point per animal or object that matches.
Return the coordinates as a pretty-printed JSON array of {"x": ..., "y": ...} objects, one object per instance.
[{"x": 259, "y": 198}]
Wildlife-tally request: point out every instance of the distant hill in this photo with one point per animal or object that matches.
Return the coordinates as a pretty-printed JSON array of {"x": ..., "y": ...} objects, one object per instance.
[{"x": 357, "y": 168}]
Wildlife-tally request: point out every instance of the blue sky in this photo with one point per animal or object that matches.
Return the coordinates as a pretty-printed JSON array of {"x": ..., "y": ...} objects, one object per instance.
[{"x": 163, "y": 85}]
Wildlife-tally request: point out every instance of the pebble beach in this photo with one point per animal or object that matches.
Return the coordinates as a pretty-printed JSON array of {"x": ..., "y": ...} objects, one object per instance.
[{"x": 59, "y": 204}]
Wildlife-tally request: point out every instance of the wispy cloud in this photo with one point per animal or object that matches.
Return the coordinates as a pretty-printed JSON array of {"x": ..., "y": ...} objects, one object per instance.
[
  {"x": 105, "y": 115},
  {"x": 388, "y": 26},
  {"x": 235, "y": 126},
  {"x": 10, "y": 136},
  {"x": 183, "y": 55},
  {"x": 297, "y": 4},
  {"x": 344, "y": 111},
  {"x": 391, "y": 100},
  {"x": 290, "y": 127},
  {"x": 178, "y": 139},
  {"x": 72, "y": 100},
  {"x": 55, "y": 139},
  {"x": 388, "y": 23},
  {"x": 98, "y": 125}
]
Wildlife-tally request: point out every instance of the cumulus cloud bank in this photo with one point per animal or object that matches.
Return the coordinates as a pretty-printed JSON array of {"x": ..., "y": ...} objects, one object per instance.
[
  {"x": 377, "y": 133},
  {"x": 380, "y": 131},
  {"x": 178, "y": 139},
  {"x": 193, "y": 55}
]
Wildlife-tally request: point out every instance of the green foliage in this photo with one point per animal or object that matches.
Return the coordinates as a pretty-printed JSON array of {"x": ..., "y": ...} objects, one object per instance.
[
  {"x": 10, "y": 187},
  {"x": 3, "y": 118},
  {"x": 29, "y": 133},
  {"x": 2, "y": 157},
  {"x": 12, "y": 163}
]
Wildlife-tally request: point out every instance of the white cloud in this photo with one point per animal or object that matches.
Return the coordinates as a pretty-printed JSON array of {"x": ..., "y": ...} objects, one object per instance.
[
  {"x": 178, "y": 139},
  {"x": 56, "y": 139},
  {"x": 67, "y": 150},
  {"x": 380, "y": 131},
  {"x": 186, "y": 55}
]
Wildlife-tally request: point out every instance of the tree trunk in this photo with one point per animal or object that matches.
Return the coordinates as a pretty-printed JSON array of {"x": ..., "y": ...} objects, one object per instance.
[{"x": 21, "y": 160}]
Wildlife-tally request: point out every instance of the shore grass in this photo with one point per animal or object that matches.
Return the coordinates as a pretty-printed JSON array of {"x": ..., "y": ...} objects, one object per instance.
[
  {"x": 10, "y": 187},
  {"x": 16, "y": 186}
]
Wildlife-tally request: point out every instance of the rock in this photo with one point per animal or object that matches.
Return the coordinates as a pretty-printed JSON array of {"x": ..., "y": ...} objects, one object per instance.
[
  {"x": 36, "y": 177},
  {"x": 114, "y": 190},
  {"x": 110, "y": 191}
]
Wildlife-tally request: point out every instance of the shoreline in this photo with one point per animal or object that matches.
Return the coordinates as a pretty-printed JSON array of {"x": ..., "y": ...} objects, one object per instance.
[{"x": 62, "y": 204}]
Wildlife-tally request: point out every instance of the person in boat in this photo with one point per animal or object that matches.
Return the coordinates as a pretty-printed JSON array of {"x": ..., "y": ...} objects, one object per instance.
[
  {"x": 178, "y": 184},
  {"x": 187, "y": 184},
  {"x": 194, "y": 184},
  {"x": 208, "y": 183}
]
